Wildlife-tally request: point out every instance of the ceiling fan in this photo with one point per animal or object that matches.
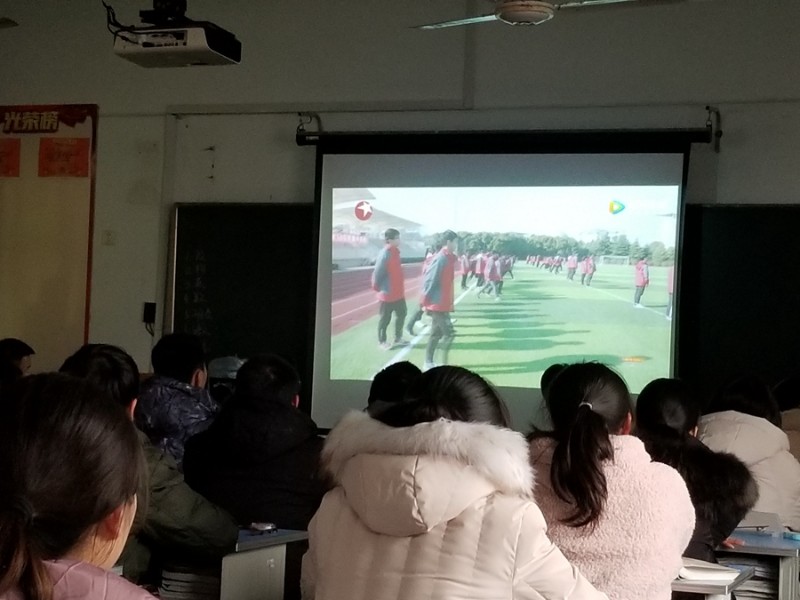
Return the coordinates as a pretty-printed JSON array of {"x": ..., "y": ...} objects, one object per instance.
[{"x": 536, "y": 12}]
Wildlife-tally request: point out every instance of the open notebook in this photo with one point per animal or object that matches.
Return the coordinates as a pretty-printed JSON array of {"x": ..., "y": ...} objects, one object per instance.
[{"x": 700, "y": 570}]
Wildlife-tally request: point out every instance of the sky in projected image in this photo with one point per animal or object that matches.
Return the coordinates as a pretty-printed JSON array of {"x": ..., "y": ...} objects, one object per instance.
[{"x": 650, "y": 212}]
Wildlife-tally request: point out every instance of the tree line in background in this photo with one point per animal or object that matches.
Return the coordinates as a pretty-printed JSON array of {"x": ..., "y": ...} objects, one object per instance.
[{"x": 522, "y": 246}]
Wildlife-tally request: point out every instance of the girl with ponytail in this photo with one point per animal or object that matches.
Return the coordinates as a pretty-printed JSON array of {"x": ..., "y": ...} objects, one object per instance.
[
  {"x": 69, "y": 469},
  {"x": 623, "y": 520}
]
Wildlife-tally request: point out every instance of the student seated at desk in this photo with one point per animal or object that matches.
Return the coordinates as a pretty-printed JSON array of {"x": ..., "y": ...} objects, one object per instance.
[
  {"x": 622, "y": 519},
  {"x": 744, "y": 420},
  {"x": 260, "y": 458},
  {"x": 433, "y": 500},
  {"x": 720, "y": 485},
  {"x": 15, "y": 361},
  {"x": 787, "y": 394},
  {"x": 389, "y": 386},
  {"x": 173, "y": 522},
  {"x": 174, "y": 404},
  {"x": 70, "y": 465}
]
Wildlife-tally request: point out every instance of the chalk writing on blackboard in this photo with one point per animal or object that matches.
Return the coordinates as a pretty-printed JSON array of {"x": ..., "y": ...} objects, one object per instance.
[{"x": 196, "y": 315}]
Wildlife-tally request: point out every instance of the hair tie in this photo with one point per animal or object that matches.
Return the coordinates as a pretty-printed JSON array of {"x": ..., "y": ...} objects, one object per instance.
[
  {"x": 584, "y": 403},
  {"x": 20, "y": 506}
]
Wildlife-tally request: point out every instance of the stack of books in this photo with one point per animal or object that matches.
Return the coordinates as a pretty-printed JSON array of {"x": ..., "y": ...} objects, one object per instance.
[
  {"x": 180, "y": 584},
  {"x": 700, "y": 570},
  {"x": 763, "y": 585}
]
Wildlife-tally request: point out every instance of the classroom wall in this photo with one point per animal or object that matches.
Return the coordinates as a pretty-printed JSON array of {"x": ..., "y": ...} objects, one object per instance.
[{"x": 227, "y": 134}]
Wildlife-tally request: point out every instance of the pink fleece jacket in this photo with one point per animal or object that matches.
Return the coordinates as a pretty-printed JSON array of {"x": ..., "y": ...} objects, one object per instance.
[
  {"x": 73, "y": 579},
  {"x": 635, "y": 550}
]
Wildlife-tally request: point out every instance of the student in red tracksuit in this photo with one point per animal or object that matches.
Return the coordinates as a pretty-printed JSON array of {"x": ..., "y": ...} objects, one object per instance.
[
  {"x": 642, "y": 280},
  {"x": 464, "y": 266},
  {"x": 438, "y": 299},
  {"x": 584, "y": 270},
  {"x": 480, "y": 267},
  {"x": 429, "y": 254},
  {"x": 670, "y": 290},
  {"x": 587, "y": 270},
  {"x": 572, "y": 266},
  {"x": 388, "y": 281},
  {"x": 557, "y": 264},
  {"x": 493, "y": 276}
]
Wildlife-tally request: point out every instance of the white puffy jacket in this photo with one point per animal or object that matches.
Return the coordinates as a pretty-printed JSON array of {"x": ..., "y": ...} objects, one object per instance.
[
  {"x": 791, "y": 425},
  {"x": 764, "y": 448},
  {"x": 438, "y": 511}
]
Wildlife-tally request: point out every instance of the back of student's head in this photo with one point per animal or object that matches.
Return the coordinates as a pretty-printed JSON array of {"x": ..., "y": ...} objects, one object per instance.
[
  {"x": 390, "y": 385},
  {"x": 12, "y": 360},
  {"x": 667, "y": 407},
  {"x": 748, "y": 395},
  {"x": 452, "y": 393},
  {"x": 69, "y": 459},
  {"x": 178, "y": 355},
  {"x": 587, "y": 403},
  {"x": 548, "y": 376},
  {"x": 787, "y": 393},
  {"x": 266, "y": 379},
  {"x": 13, "y": 350},
  {"x": 107, "y": 367},
  {"x": 442, "y": 239},
  {"x": 9, "y": 374}
]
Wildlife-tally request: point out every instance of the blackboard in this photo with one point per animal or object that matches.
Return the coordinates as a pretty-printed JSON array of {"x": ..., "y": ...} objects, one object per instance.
[
  {"x": 244, "y": 279},
  {"x": 739, "y": 310}
]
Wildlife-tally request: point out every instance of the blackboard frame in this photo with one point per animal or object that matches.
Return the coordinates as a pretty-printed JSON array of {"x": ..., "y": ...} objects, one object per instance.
[{"x": 296, "y": 252}]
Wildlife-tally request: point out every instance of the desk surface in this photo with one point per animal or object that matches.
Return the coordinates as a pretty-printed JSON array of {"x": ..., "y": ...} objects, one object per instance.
[
  {"x": 708, "y": 588},
  {"x": 253, "y": 540},
  {"x": 765, "y": 544}
]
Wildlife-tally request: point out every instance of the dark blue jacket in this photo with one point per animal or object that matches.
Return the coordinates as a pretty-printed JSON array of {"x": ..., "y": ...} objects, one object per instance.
[{"x": 169, "y": 412}]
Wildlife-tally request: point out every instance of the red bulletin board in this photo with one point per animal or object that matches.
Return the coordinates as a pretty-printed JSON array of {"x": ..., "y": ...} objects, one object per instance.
[
  {"x": 47, "y": 188},
  {"x": 10, "y": 156},
  {"x": 64, "y": 157}
]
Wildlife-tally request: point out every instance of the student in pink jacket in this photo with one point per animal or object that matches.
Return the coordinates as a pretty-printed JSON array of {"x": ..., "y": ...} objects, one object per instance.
[
  {"x": 622, "y": 519},
  {"x": 70, "y": 464}
]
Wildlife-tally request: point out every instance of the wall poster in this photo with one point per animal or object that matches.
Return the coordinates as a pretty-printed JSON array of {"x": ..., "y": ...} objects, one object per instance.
[{"x": 47, "y": 175}]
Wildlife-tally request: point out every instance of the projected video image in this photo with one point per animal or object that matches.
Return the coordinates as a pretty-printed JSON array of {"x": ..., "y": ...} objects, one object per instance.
[{"x": 533, "y": 276}]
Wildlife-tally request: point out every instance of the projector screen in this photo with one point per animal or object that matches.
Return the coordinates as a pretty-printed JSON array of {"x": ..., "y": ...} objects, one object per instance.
[{"x": 559, "y": 258}]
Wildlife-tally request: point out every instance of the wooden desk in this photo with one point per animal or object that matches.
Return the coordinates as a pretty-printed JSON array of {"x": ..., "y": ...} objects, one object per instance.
[
  {"x": 787, "y": 552},
  {"x": 713, "y": 590},
  {"x": 255, "y": 570}
]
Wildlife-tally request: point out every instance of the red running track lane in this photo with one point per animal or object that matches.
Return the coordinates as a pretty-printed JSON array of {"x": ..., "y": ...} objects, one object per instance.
[{"x": 354, "y": 301}]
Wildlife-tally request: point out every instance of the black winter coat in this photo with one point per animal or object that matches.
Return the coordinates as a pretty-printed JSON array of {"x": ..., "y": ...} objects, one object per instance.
[
  {"x": 720, "y": 485},
  {"x": 259, "y": 463}
]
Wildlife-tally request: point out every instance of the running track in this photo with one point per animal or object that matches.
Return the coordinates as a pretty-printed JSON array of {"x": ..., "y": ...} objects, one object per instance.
[{"x": 354, "y": 301}]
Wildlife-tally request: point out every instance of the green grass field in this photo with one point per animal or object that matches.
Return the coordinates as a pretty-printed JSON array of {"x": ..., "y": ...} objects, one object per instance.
[{"x": 542, "y": 319}]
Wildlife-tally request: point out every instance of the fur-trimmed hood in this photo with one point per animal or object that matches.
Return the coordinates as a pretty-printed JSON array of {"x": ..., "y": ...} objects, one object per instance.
[{"x": 405, "y": 481}]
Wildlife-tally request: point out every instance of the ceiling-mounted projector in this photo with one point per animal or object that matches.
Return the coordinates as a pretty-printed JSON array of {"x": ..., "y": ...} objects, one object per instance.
[{"x": 169, "y": 39}]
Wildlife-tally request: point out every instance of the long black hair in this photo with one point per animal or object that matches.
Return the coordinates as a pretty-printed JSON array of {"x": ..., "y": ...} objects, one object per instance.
[
  {"x": 587, "y": 403},
  {"x": 69, "y": 457},
  {"x": 666, "y": 408}
]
